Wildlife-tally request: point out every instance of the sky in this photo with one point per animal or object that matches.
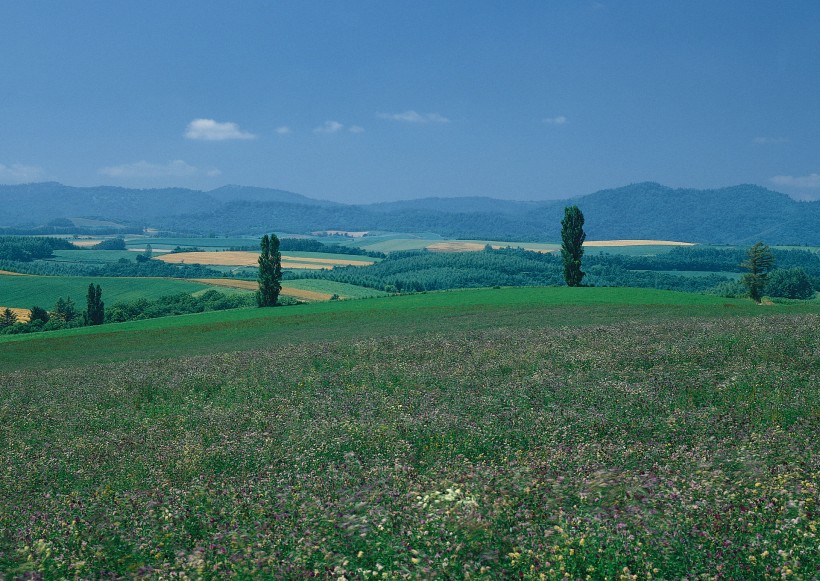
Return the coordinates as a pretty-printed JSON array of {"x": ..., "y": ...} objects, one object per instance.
[{"x": 365, "y": 101}]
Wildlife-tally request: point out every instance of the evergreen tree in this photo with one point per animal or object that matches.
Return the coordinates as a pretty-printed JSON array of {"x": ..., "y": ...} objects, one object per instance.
[
  {"x": 572, "y": 240},
  {"x": 95, "y": 313},
  {"x": 759, "y": 261},
  {"x": 64, "y": 309},
  {"x": 7, "y": 318},
  {"x": 38, "y": 314},
  {"x": 270, "y": 272}
]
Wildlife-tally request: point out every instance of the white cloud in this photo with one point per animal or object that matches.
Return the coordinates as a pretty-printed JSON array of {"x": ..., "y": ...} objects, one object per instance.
[
  {"x": 769, "y": 140},
  {"x": 559, "y": 120},
  {"x": 18, "y": 172},
  {"x": 210, "y": 130},
  {"x": 810, "y": 181},
  {"x": 283, "y": 130},
  {"x": 414, "y": 117},
  {"x": 144, "y": 169},
  {"x": 329, "y": 127},
  {"x": 356, "y": 129}
]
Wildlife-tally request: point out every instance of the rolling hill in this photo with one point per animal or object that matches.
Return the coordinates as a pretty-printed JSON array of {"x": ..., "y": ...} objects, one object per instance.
[{"x": 734, "y": 215}]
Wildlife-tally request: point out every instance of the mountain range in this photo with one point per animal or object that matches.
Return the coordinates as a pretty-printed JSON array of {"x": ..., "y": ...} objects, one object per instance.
[{"x": 734, "y": 215}]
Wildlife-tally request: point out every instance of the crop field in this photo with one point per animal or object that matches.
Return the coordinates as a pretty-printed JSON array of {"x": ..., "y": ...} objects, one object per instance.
[
  {"x": 330, "y": 288},
  {"x": 91, "y": 256},
  {"x": 26, "y": 291},
  {"x": 534, "y": 433},
  {"x": 250, "y": 285},
  {"x": 209, "y": 243},
  {"x": 304, "y": 260},
  {"x": 21, "y": 314}
]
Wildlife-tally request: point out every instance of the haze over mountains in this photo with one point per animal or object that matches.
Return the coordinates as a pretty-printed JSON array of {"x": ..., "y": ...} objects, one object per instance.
[{"x": 734, "y": 215}]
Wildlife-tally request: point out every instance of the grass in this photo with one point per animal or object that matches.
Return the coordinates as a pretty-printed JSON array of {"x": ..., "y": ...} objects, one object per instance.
[
  {"x": 92, "y": 256},
  {"x": 207, "y": 243},
  {"x": 515, "y": 433},
  {"x": 343, "y": 289},
  {"x": 408, "y": 315},
  {"x": 26, "y": 291}
]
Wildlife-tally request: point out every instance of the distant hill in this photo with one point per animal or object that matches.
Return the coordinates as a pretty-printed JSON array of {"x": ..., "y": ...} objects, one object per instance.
[{"x": 734, "y": 215}]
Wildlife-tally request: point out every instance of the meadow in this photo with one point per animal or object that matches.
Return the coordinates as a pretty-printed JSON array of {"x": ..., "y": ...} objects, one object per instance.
[
  {"x": 26, "y": 291},
  {"x": 613, "y": 434}
]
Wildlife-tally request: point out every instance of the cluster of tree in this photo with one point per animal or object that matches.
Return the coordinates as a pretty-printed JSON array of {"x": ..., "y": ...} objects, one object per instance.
[
  {"x": 29, "y": 248},
  {"x": 65, "y": 315},
  {"x": 313, "y": 245},
  {"x": 707, "y": 258},
  {"x": 123, "y": 267},
  {"x": 111, "y": 244},
  {"x": 60, "y": 227},
  {"x": 427, "y": 271},
  {"x": 177, "y": 304}
]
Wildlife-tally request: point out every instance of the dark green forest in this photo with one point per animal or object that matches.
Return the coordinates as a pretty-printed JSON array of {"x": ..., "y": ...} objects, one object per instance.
[{"x": 427, "y": 271}]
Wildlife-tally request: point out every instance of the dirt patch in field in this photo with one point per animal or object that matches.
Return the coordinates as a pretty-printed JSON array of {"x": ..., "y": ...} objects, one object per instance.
[
  {"x": 306, "y": 295},
  {"x": 85, "y": 243},
  {"x": 228, "y": 258},
  {"x": 456, "y": 247},
  {"x": 9, "y": 273},
  {"x": 22, "y": 314},
  {"x": 636, "y": 243},
  {"x": 240, "y": 258}
]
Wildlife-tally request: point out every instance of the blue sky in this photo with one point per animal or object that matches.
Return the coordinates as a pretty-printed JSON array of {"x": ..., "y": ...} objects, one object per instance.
[{"x": 382, "y": 100}]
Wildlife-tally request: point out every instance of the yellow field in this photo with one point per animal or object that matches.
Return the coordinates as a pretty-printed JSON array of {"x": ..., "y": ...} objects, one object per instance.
[
  {"x": 9, "y": 273},
  {"x": 636, "y": 243},
  {"x": 253, "y": 285},
  {"x": 85, "y": 243},
  {"x": 456, "y": 246},
  {"x": 242, "y": 258},
  {"x": 22, "y": 314}
]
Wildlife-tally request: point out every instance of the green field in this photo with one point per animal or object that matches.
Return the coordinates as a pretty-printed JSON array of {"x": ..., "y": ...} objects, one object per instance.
[
  {"x": 405, "y": 315},
  {"x": 344, "y": 290},
  {"x": 513, "y": 433},
  {"x": 204, "y": 243},
  {"x": 25, "y": 291},
  {"x": 92, "y": 256}
]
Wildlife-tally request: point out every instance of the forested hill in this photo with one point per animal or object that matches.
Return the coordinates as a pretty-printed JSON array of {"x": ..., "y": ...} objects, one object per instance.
[{"x": 734, "y": 215}]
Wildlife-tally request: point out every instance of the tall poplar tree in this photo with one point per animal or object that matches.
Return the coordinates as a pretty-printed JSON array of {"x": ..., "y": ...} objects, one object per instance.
[
  {"x": 270, "y": 272},
  {"x": 95, "y": 311},
  {"x": 572, "y": 241}
]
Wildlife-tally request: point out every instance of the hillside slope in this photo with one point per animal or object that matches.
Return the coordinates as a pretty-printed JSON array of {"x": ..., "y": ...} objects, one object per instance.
[{"x": 734, "y": 215}]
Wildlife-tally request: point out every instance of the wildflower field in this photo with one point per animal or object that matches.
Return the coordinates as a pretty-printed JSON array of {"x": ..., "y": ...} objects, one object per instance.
[{"x": 655, "y": 447}]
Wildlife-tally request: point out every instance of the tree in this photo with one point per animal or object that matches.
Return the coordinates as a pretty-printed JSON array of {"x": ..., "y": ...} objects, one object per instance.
[
  {"x": 572, "y": 241},
  {"x": 270, "y": 272},
  {"x": 38, "y": 314},
  {"x": 64, "y": 309},
  {"x": 146, "y": 255},
  {"x": 789, "y": 283},
  {"x": 95, "y": 313},
  {"x": 7, "y": 318},
  {"x": 759, "y": 261}
]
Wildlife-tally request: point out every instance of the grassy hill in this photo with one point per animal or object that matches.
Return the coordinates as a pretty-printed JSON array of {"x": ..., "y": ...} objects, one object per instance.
[
  {"x": 406, "y": 315},
  {"x": 497, "y": 433}
]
